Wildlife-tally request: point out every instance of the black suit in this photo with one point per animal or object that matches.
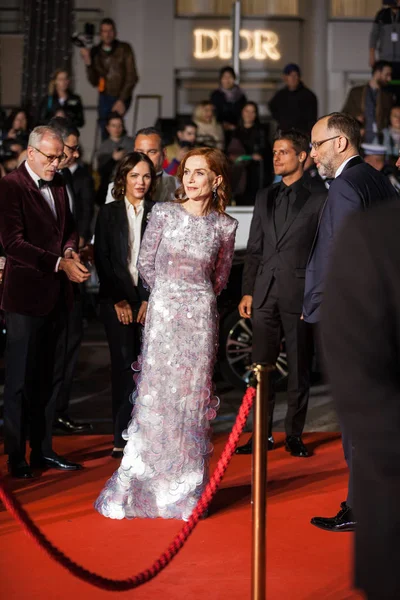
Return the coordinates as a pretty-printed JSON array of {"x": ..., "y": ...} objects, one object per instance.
[
  {"x": 357, "y": 188},
  {"x": 274, "y": 276},
  {"x": 81, "y": 183},
  {"x": 360, "y": 326},
  {"x": 116, "y": 284}
]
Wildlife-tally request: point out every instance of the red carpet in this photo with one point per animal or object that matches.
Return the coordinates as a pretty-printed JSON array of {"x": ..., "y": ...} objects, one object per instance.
[{"x": 304, "y": 563}]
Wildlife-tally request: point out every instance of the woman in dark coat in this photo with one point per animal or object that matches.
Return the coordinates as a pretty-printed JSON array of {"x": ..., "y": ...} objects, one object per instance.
[
  {"x": 228, "y": 101},
  {"x": 60, "y": 101}
]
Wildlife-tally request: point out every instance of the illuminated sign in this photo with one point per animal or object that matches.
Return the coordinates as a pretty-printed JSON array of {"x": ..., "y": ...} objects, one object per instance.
[{"x": 259, "y": 44}]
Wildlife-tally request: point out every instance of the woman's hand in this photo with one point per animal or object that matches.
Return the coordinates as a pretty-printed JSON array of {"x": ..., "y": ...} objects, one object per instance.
[
  {"x": 124, "y": 312},
  {"x": 142, "y": 313}
]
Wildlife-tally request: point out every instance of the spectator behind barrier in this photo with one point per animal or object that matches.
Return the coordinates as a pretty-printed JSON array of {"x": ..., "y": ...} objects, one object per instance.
[
  {"x": 209, "y": 132},
  {"x": 251, "y": 154},
  {"x": 18, "y": 125},
  {"x": 371, "y": 103},
  {"x": 228, "y": 101},
  {"x": 111, "y": 152},
  {"x": 111, "y": 67},
  {"x": 60, "y": 99},
  {"x": 294, "y": 106},
  {"x": 185, "y": 141},
  {"x": 391, "y": 135}
]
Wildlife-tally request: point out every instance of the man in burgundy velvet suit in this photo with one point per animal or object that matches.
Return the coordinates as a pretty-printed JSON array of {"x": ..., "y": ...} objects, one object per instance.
[{"x": 38, "y": 235}]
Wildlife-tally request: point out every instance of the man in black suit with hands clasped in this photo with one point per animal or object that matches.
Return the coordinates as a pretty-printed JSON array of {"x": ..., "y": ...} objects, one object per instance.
[{"x": 281, "y": 235}]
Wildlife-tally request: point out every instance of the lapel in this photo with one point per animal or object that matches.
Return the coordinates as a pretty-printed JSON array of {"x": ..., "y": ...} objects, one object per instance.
[
  {"x": 357, "y": 160},
  {"x": 121, "y": 221},
  {"x": 301, "y": 198},
  {"x": 271, "y": 197},
  {"x": 57, "y": 191}
]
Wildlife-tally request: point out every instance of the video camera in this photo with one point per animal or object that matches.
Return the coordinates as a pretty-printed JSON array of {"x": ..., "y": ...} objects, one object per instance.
[{"x": 85, "y": 39}]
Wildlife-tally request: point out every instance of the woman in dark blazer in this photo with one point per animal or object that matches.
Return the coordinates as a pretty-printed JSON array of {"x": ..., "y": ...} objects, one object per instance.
[
  {"x": 123, "y": 299},
  {"x": 60, "y": 101}
]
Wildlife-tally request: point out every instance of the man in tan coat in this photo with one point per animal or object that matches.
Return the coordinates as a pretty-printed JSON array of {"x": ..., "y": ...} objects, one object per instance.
[{"x": 371, "y": 103}]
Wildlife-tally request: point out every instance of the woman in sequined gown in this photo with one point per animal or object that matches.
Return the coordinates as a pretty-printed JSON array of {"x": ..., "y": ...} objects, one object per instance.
[{"x": 185, "y": 260}]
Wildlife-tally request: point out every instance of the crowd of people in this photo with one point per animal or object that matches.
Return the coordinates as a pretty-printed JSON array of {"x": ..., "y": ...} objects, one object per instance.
[{"x": 163, "y": 249}]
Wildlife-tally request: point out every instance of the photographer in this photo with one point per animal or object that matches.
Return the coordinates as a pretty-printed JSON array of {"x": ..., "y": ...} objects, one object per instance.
[
  {"x": 111, "y": 67},
  {"x": 185, "y": 141}
]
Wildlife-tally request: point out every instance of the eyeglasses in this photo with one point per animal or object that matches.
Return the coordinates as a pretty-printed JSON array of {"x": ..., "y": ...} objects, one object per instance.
[
  {"x": 72, "y": 148},
  {"x": 50, "y": 157},
  {"x": 316, "y": 145}
]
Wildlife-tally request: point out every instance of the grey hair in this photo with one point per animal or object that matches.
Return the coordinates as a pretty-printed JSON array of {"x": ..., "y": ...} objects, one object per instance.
[{"x": 37, "y": 135}]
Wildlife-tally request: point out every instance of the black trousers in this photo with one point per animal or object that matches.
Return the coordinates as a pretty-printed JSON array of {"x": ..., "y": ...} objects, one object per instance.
[
  {"x": 66, "y": 357},
  {"x": 29, "y": 363},
  {"x": 347, "y": 442},
  {"x": 124, "y": 343},
  {"x": 270, "y": 322}
]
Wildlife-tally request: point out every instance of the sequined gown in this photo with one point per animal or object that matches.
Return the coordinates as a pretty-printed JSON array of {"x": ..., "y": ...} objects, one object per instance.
[{"x": 185, "y": 261}]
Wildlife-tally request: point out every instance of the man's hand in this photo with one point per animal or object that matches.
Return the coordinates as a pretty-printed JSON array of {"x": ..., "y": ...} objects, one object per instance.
[
  {"x": 119, "y": 107},
  {"x": 180, "y": 155},
  {"x": 124, "y": 312},
  {"x": 142, "y": 313},
  {"x": 74, "y": 269},
  {"x": 85, "y": 54},
  {"x": 87, "y": 254},
  {"x": 245, "y": 307},
  {"x": 118, "y": 155},
  {"x": 69, "y": 253}
]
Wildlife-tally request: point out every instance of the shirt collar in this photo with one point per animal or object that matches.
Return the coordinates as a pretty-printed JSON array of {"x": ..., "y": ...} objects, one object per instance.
[
  {"x": 294, "y": 187},
  {"x": 130, "y": 206},
  {"x": 32, "y": 174},
  {"x": 342, "y": 166}
]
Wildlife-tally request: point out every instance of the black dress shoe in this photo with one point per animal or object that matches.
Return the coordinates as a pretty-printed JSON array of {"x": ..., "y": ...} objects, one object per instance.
[
  {"x": 117, "y": 453},
  {"x": 248, "y": 448},
  {"x": 295, "y": 446},
  {"x": 343, "y": 521},
  {"x": 69, "y": 426},
  {"x": 19, "y": 469},
  {"x": 54, "y": 462}
]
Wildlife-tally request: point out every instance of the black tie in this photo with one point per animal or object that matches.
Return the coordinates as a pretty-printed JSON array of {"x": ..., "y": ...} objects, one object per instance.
[
  {"x": 281, "y": 209},
  {"x": 42, "y": 183}
]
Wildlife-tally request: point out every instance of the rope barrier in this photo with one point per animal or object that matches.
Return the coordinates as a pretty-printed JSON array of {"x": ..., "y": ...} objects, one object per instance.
[{"x": 121, "y": 585}]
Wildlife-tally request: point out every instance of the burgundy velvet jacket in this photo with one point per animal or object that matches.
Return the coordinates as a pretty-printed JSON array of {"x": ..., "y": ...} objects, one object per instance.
[{"x": 33, "y": 240}]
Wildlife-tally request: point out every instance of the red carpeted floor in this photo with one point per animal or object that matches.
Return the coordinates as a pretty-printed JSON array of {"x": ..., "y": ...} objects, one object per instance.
[{"x": 304, "y": 563}]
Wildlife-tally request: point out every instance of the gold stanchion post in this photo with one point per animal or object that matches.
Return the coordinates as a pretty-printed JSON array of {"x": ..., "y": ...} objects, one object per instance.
[{"x": 260, "y": 436}]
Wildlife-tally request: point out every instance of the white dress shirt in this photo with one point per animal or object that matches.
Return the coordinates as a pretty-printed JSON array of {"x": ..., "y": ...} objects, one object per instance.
[
  {"x": 135, "y": 219},
  {"x": 45, "y": 191},
  {"x": 342, "y": 166}
]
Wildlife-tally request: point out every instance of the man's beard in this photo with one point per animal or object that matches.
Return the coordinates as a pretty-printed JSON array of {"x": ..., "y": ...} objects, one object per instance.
[{"x": 327, "y": 170}]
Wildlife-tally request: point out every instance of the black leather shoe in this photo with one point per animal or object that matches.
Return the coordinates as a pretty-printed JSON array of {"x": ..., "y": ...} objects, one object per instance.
[
  {"x": 248, "y": 448},
  {"x": 343, "y": 521},
  {"x": 295, "y": 446},
  {"x": 54, "y": 462},
  {"x": 117, "y": 453},
  {"x": 69, "y": 426},
  {"x": 19, "y": 469}
]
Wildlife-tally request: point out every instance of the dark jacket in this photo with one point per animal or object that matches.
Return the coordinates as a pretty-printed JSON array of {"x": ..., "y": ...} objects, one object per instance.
[
  {"x": 360, "y": 327},
  {"x": 111, "y": 254},
  {"x": 117, "y": 68},
  {"x": 357, "y": 188},
  {"x": 356, "y": 101},
  {"x": 284, "y": 257},
  {"x": 33, "y": 240},
  {"x": 229, "y": 112},
  {"x": 83, "y": 205},
  {"x": 72, "y": 107},
  {"x": 294, "y": 109}
]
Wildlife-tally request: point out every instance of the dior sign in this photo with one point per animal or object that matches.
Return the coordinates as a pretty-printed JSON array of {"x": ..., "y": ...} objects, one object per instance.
[{"x": 260, "y": 44}]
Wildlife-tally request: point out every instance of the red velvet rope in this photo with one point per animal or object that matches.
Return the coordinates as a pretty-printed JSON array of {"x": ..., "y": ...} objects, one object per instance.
[{"x": 121, "y": 585}]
